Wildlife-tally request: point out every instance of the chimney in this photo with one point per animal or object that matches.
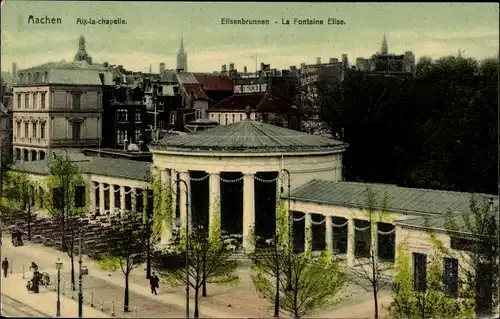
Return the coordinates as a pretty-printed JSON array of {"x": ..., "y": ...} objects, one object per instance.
[
  {"x": 105, "y": 64},
  {"x": 120, "y": 67},
  {"x": 293, "y": 67},
  {"x": 224, "y": 68},
  {"x": 245, "y": 69},
  {"x": 302, "y": 65},
  {"x": 334, "y": 60},
  {"x": 262, "y": 66},
  {"x": 162, "y": 68},
  {"x": 231, "y": 66},
  {"x": 318, "y": 60},
  {"x": 344, "y": 58}
]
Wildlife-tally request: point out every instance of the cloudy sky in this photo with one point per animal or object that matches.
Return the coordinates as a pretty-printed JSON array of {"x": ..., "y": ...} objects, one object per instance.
[{"x": 153, "y": 30}]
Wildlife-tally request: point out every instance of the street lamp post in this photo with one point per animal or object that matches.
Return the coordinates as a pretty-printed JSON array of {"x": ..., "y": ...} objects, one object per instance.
[
  {"x": 80, "y": 278},
  {"x": 178, "y": 181},
  {"x": 59, "y": 266}
]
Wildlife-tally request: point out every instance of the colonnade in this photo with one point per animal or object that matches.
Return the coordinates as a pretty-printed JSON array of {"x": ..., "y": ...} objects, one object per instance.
[
  {"x": 168, "y": 179},
  {"x": 351, "y": 234}
]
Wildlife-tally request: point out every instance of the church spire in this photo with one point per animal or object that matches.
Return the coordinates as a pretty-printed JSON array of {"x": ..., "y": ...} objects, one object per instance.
[
  {"x": 385, "y": 49},
  {"x": 182, "y": 57}
]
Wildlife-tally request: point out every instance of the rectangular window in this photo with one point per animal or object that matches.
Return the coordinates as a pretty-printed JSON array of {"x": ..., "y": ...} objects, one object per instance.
[
  {"x": 76, "y": 101},
  {"x": 121, "y": 136},
  {"x": 26, "y": 129},
  {"x": 76, "y": 130},
  {"x": 18, "y": 129},
  {"x": 42, "y": 101},
  {"x": 19, "y": 101},
  {"x": 121, "y": 116},
  {"x": 451, "y": 277},
  {"x": 138, "y": 116},
  {"x": 172, "y": 118},
  {"x": 26, "y": 101},
  {"x": 137, "y": 134},
  {"x": 241, "y": 117},
  {"x": 42, "y": 130},
  {"x": 34, "y": 131},
  {"x": 35, "y": 100},
  {"x": 79, "y": 196},
  {"x": 234, "y": 115},
  {"x": 420, "y": 272}
]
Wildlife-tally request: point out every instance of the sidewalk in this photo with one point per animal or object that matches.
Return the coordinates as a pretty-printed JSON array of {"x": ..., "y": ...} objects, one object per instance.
[
  {"x": 45, "y": 301},
  {"x": 221, "y": 302}
]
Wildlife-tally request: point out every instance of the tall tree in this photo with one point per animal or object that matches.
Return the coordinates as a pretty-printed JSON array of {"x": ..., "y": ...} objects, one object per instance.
[
  {"x": 126, "y": 239},
  {"x": 206, "y": 259},
  {"x": 311, "y": 284},
  {"x": 369, "y": 273},
  {"x": 6, "y": 161},
  {"x": 66, "y": 202},
  {"x": 474, "y": 244}
]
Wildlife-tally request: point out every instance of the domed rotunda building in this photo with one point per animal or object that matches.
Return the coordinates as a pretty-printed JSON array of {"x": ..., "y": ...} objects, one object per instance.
[{"x": 238, "y": 170}]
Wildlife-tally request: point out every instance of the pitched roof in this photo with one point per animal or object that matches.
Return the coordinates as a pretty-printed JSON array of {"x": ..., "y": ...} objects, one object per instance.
[
  {"x": 197, "y": 90},
  {"x": 186, "y": 78},
  {"x": 112, "y": 167},
  {"x": 399, "y": 199},
  {"x": 78, "y": 72},
  {"x": 260, "y": 102},
  {"x": 215, "y": 82},
  {"x": 249, "y": 137}
]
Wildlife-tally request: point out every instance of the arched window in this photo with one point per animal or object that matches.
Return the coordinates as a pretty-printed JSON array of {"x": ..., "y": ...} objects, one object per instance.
[{"x": 28, "y": 80}]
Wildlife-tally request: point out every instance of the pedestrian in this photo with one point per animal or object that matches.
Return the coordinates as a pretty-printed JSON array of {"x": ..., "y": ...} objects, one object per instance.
[
  {"x": 34, "y": 266},
  {"x": 5, "y": 266},
  {"x": 154, "y": 283}
]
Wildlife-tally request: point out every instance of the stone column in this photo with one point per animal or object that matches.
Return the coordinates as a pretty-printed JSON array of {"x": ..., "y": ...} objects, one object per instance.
[
  {"x": 185, "y": 194},
  {"x": 112, "y": 199},
  {"x": 92, "y": 204},
  {"x": 351, "y": 242},
  {"x": 101, "y": 199},
  {"x": 165, "y": 177},
  {"x": 329, "y": 233},
  {"x": 166, "y": 183},
  {"x": 133, "y": 194},
  {"x": 248, "y": 210},
  {"x": 308, "y": 232},
  {"x": 214, "y": 208},
  {"x": 122, "y": 199},
  {"x": 374, "y": 239}
]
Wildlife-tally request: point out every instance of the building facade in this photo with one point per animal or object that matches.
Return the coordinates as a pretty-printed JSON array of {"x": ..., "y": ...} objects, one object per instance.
[{"x": 57, "y": 105}]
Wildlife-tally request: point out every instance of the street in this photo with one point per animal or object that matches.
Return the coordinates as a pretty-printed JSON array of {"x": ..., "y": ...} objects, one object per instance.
[{"x": 14, "y": 308}]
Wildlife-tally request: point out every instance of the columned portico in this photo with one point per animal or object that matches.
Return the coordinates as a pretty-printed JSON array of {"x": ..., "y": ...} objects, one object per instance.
[{"x": 248, "y": 209}]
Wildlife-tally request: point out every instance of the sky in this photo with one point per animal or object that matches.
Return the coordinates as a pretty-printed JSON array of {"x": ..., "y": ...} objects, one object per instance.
[{"x": 153, "y": 30}]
